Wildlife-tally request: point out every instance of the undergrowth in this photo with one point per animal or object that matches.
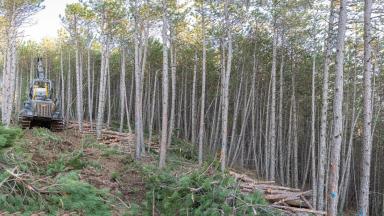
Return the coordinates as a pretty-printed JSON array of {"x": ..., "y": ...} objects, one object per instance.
[
  {"x": 205, "y": 191},
  {"x": 67, "y": 193},
  {"x": 56, "y": 188},
  {"x": 8, "y": 136}
]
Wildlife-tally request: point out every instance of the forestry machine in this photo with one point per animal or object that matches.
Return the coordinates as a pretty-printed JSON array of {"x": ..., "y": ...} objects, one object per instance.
[{"x": 41, "y": 108}]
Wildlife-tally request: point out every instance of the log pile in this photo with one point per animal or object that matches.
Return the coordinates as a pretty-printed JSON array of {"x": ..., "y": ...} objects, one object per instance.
[
  {"x": 291, "y": 200},
  {"x": 123, "y": 141}
]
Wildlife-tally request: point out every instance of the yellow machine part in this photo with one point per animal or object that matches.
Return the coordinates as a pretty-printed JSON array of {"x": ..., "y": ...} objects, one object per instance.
[
  {"x": 46, "y": 89},
  {"x": 34, "y": 91}
]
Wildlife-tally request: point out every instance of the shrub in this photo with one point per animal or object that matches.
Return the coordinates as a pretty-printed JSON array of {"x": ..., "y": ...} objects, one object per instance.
[
  {"x": 198, "y": 193},
  {"x": 69, "y": 193},
  {"x": 46, "y": 135},
  {"x": 8, "y": 136}
]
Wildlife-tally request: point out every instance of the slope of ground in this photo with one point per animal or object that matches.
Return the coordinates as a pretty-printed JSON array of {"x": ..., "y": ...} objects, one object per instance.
[{"x": 69, "y": 173}]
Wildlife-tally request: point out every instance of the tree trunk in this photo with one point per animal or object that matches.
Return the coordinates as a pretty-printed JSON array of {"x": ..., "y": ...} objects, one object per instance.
[
  {"x": 79, "y": 89},
  {"x": 313, "y": 133},
  {"x": 102, "y": 88},
  {"x": 69, "y": 90},
  {"x": 193, "y": 111},
  {"x": 173, "y": 94},
  {"x": 90, "y": 98},
  {"x": 138, "y": 91},
  {"x": 272, "y": 131},
  {"x": 202, "y": 104},
  {"x": 338, "y": 114},
  {"x": 280, "y": 126},
  {"x": 225, "y": 88},
  {"x": 62, "y": 90},
  {"x": 164, "y": 134},
  {"x": 152, "y": 114},
  {"x": 365, "y": 164},
  {"x": 122, "y": 89},
  {"x": 324, "y": 112}
]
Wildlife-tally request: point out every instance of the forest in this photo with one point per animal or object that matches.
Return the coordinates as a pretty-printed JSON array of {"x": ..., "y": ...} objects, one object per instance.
[{"x": 274, "y": 107}]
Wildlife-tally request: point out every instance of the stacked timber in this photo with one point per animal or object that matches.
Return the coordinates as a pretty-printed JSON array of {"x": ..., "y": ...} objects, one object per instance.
[{"x": 291, "y": 200}]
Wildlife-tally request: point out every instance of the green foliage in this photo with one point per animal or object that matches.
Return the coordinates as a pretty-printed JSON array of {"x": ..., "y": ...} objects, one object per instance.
[
  {"x": 81, "y": 197},
  {"x": 66, "y": 161},
  {"x": 8, "y": 136},
  {"x": 46, "y": 135},
  {"x": 198, "y": 193},
  {"x": 184, "y": 149},
  {"x": 69, "y": 194}
]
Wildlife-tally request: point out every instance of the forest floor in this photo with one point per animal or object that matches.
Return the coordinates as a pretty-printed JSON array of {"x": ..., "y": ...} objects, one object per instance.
[{"x": 72, "y": 173}]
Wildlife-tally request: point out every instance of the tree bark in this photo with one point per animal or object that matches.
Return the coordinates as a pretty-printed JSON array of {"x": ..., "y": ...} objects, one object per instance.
[
  {"x": 272, "y": 131},
  {"x": 122, "y": 89},
  {"x": 90, "y": 98},
  {"x": 324, "y": 112},
  {"x": 202, "y": 104},
  {"x": 365, "y": 164},
  {"x": 164, "y": 134},
  {"x": 338, "y": 114},
  {"x": 193, "y": 111},
  {"x": 225, "y": 89}
]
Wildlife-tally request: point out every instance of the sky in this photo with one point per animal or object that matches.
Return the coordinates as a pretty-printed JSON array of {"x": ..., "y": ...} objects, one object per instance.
[{"x": 46, "y": 22}]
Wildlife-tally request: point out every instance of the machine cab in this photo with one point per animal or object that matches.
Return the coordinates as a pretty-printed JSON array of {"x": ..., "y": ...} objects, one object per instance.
[{"x": 41, "y": 90}]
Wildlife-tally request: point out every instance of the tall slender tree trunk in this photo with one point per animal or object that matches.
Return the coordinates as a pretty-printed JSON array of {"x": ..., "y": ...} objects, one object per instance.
[
  {"x": 79, "y": 88},
  {"x": 225, "y": 88},
  {"x": 338, "y": 114},
  {"x": 294, "y": 133},
  {"x": 164, "y": 134},
  {"x": 280, "y": 126},
  {"x": 202, "y": 104},
  {"x": 90, "y": 98},
  {"x": 102, "y": 87},
  {"x": 9, "y": 75},
  {"x": 62, "y": 90},
  {"x": 69, "y": 90},
  {"x": 365, "y": 164},
  {"x": 122, "y": 89},
  {"x": 193, "y": 111},
  {"x": 152, "y": 114},
  {"x": 272, "y": 131},
  {"x": 109, "y": 96},
  {"x": 313, "y": 133},
  {"x": 173, "y": 94},
  {"x": 138, "y": 90},
  {"x": 324, "y": 113}
]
